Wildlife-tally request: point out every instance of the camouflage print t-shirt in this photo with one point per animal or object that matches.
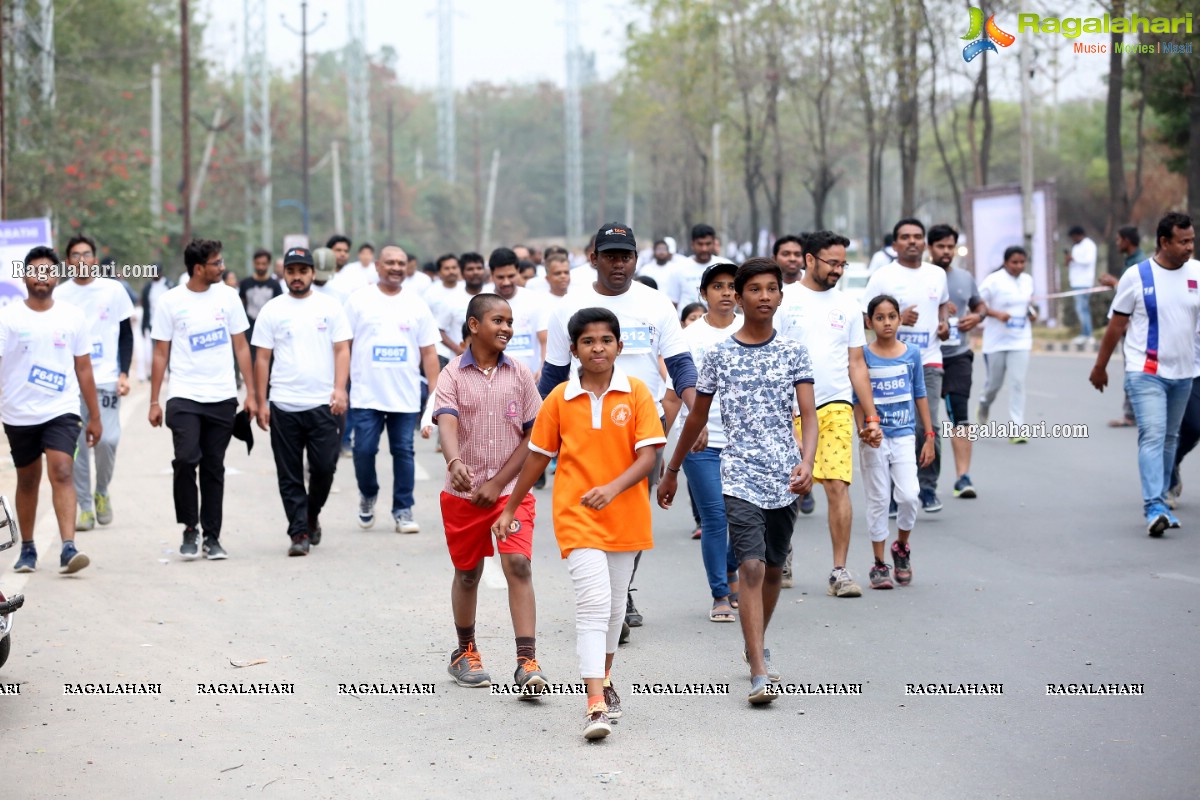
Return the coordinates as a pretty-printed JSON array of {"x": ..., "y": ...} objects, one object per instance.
[{"x": 757, "y": 384}]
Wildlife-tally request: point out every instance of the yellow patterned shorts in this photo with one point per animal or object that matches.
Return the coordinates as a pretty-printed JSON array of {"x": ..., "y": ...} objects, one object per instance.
[{"x": 835, "y": 442}]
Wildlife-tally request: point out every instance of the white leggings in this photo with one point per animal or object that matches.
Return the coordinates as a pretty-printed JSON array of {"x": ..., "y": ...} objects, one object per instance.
[
  {"x": 894, "y": 462},
  {"x": 601, "y": 583}
]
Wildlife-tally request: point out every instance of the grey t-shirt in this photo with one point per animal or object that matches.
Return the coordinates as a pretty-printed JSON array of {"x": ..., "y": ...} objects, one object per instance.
[
  {"x": 963, "y": 293},
  {"x": 757, "y": 388}
]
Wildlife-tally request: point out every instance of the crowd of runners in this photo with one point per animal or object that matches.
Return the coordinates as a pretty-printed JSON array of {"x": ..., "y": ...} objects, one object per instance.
[{"x": 611, "y": 375}]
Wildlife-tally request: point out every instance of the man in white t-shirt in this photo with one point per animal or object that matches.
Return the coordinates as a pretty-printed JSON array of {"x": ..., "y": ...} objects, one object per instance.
[
  {"x": 925, "y": 299},
  {"x": 683, "y": 284},
  {"x": 584, "y": 274},
  {"x": 394, "y": 337},
  {"x": 884, "y": 255},
  {"x": 528, "y": 341},
  {"x": 199, "y": 330},
  {"x": 650, "y": 329},
  {"x": 304, "y": 353},
  {"x": 660, "y": 266},
  {"x": 45, "y": 372},
  {"x": 449, "y": 285},
  {"x": 107, "y": 306},
  {"x": 1081, "y": 274},
  {"x": 352, "y": 275},
  {"x": 828, "y": 323},
  {"x": 1157, "y": 309},
  {"x": 452, "y": 311}
]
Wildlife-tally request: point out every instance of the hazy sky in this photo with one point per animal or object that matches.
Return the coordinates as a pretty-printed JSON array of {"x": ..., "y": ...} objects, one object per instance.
[{"x": 497, "y": 41}]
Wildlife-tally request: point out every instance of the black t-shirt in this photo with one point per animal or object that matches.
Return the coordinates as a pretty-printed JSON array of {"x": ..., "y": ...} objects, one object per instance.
[{"x": 255, "y": 294}]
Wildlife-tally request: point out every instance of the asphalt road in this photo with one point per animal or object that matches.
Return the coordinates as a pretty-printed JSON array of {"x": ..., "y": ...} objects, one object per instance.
[{"x": 1046, "y": 578}]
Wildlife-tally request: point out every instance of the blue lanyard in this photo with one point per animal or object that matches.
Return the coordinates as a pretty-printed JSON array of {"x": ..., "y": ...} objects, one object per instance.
[{"x": 1150, "y": 300}]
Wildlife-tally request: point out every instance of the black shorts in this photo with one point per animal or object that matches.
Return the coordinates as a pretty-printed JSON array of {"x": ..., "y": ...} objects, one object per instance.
[
  {"x": 762, "y": 534},
  {"x": 28, "y": 442},
  {"x": 956, "y": 385}
]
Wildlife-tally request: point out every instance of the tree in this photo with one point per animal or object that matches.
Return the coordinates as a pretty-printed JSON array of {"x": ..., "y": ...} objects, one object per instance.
[{"x": 873, "y": 81}]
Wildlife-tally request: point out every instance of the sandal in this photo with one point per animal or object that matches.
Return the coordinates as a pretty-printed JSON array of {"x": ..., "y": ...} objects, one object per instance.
[
  {"x": 733, "y": 599},
  {"x": 721, "y": 611},
  {"x": 696, "y": 533}
]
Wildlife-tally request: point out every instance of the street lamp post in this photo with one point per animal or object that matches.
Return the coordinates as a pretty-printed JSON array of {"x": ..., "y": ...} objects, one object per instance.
[{"x": 304, "y": 33}]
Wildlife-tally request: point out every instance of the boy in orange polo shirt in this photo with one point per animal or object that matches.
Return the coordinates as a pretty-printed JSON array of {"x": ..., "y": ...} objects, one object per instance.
[
  {"x": 603, "y": 427},
  {"x": 485, "y": 407}
]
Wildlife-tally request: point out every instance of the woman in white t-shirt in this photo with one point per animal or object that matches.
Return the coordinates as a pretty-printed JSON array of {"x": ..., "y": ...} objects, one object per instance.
[{"x": 1008, "y": 335}]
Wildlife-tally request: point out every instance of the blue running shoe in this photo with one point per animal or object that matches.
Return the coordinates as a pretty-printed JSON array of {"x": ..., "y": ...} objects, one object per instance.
[
  {"x": 807, "y": 504},
  {"x": 71, "y": 560},
  {"x": 930, "y": 502},
  {"x": 28, "y": 559},
  {"x": 1172, "y": 521},
  {"x": 1157, "y": 521},
  {"x": 964, "y": 488}
]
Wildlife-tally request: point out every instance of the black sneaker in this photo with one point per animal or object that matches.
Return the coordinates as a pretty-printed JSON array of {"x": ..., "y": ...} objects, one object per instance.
[
  {"x": 188, "y": 550},
  {"x": 314, "y": 532},
  {"x": 632, "y": 615},
  {"x": 807, "y": 503},
  {"x": 213, "y": 550},
  {"x": 299, "y": 545}
]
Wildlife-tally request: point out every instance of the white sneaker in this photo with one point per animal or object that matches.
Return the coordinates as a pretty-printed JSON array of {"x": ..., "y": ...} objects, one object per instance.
[{"x": 405, "y": 522}]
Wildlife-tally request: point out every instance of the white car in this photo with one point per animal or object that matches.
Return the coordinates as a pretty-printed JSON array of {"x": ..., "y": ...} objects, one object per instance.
[{"x": 854, "y": 279}]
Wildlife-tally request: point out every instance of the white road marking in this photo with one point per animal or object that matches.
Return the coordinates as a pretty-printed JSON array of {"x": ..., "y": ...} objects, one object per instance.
[
  {"x": 493, "y": 574},
  {"x": 1175, "y": 576},
  {"x": 46, "y": 527}
]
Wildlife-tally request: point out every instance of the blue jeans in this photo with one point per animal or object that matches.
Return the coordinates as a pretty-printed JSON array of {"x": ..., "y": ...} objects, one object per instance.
[
  {"x": 1083, "y": 310},
  {"x": 703, "y": 472},
  {"x": 1158, "y": 404},
  {"x": 368, "y": 427}
]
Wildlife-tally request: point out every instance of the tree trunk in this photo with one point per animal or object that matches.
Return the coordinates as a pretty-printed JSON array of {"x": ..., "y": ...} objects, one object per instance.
[
  {"x": 908, "y": 121},
  {"x": 985, "y": 146},
  {"x": 1193, "y": 164},
  {"x": 1118, "y": 194}
]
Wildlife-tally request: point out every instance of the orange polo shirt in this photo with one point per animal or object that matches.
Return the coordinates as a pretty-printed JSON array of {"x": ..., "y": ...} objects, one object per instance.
[{"x": 596, "y": 439}]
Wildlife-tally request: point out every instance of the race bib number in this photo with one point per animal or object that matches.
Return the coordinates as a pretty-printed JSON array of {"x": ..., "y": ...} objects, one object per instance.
[
  {"x": 47, "y": 379},
  {"x": 890, "y": 390},
  {"x": 521, "y": 343},
  {"x": 637, "y": 340},
  {"x": 954, "y": 338},
  {"x": 1016, "y": 323},
  {"x": 97, "y": 351},
  {"x": 208, "y": 339},
  {"x": 918, "y": 338},
  {"x": 389, "y": 356}
]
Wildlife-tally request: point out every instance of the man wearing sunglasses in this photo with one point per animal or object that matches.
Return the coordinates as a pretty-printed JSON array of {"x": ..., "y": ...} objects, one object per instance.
[
  {"x": 828, "y": 323},
  {"x": 195, "y": 327}
]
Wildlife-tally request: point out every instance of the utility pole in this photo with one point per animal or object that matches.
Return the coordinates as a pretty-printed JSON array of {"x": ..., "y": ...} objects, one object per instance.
[
  {"x": 489, "y": 211},
  {"x": 358, "y": 85},
  {"x": 256, "y": 126},
  {"x": 338, "y": 217},
  {"x": 185, "y": 91},
  {"x": 445, "y": 109},
  {"x": 1028, "y": 223},
  {"x": 478, "y": 185},
  {"x": 574, "y": 126},
  {"x": 391, "y": 177},
  {"x": 304, "y": 32},
  {"x": 628, "y": 219}
]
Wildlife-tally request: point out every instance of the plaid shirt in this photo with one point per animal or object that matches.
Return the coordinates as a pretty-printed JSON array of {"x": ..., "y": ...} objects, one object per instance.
[{"x": 494, "y": 412}]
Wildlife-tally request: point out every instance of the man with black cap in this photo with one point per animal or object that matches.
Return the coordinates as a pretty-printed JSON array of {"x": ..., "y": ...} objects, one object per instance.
[
  {"x": 650, "y": 329},
  {"x": 195, "y": 327},
  {"x": 308, "y": 337}
]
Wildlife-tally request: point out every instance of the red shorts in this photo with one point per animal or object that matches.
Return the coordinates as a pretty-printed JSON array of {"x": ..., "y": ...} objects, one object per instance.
[{"x": 469, "y": 530}]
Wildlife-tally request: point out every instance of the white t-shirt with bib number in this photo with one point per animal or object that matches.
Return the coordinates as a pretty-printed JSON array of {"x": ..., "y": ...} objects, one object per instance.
[
  {"x": 923, "y": 287},
  {"x": 200, "y": 327},
  {"x": 107, "y": 305},
  {"x": 37, "y": 361},
  {"x": 529, "y": 313},
  {"x": 828, "y": 323},
  {"x": 1177, "y": 295},
  {"x": 649, "y": 329},
  {"x": 1003, "y": 292},
  {"x": 301, "y": 333},
  {"x": 385, "y": 362}
]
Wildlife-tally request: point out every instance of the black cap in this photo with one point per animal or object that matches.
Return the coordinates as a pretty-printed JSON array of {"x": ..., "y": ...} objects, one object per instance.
[
  {"x": 298, "y": 255},
  {"x": 615, "y": 236},
  {"x": 720, "y": 268},
  {"x": 242, "y": 429}
]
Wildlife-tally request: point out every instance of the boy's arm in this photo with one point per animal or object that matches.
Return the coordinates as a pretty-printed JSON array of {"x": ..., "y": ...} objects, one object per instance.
[
  {"x": 460, "y": 474},
  {"x": 489, "y": 491},
  {"x": 601, "y": 496},
  {"x": 801, "y": 482},
  {"x": 535, "y": 465}
]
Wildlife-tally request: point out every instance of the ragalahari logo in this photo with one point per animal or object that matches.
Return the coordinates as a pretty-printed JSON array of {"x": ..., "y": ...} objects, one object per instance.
[{"x": 984, "y": 37}]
